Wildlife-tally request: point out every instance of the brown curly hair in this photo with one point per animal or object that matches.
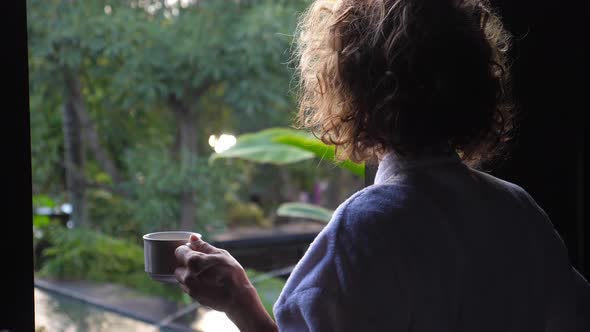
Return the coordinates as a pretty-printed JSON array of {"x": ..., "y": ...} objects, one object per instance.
[{"x": 404, "y": 75}]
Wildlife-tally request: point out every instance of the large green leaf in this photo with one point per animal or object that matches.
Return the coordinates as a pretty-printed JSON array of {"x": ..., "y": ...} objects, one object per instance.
[
  {"x": 321, "y": 150},
  {"x": 282, "y": 146},
  {"x": 305, "y": 210},
  {"x": 262, "y": 147}
]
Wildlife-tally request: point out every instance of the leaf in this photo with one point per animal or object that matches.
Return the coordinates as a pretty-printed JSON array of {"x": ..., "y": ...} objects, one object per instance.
[
  {"x": 43, "y": 201},
  {"x": 261, "y": 147},
  {"x": 305, "y": 210},
  {"x": 283, "y": 146},
  {"x": 103, "y": 177},
  {"x": 40, "y": 221},
  {"x": 267, "y": 153},
  {"x": 322, "y": 151}
]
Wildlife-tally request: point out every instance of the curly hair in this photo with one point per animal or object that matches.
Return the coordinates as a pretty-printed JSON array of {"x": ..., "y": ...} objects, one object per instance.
[{"x": 404, "y": 75}]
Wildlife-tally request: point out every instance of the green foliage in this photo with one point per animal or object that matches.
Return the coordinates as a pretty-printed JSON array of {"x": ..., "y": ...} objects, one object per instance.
[
  {"x": 305, "y": 211},
  {"x": 263, "y": 147},
  {"x": 41, "y": 238},
  {"x": 40, "y": 221},
  {"x": 268, "y": 289},
  {"x": 42, "y": 225},
  {"x": 43, "y": 201},
  {"x": 46, "y": 142},
  {"x": 159, "y": 180},
  {"x": 80, "y": 253},
  {"x": 282, "y": 146},
  {"x": 111, "y": 215},
  {"x": 88, "y": 255},
  {"x": 246, "y": 214},
  {"x": 223, "y": 61},
  {"x": 322, "y": 151},
  {"x": 285, "y": 146}
]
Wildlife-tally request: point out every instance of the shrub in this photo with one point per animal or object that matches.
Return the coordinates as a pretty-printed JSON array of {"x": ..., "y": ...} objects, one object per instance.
[
  {"x": 88, "y": 255},
  {"x": 110, "y": 214},
  {"x": 159, "y": 180},
  {"x": 246, "y": 214},
  {"x": 82, "y": 254}
]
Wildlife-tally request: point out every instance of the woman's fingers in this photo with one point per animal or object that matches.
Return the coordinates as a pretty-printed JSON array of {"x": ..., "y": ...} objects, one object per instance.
[
  {"x": 199, "y": 245},
  {"x": 190, "y": 290},
  {"x": 188, "y": 257},
  {"x": 185, "y": 289},
  {"x": 187, "y": 281},
  {"x": 196, "y": 261},
  {"x": 180, "y": 274},
  {"x": 181, "y": 252}
]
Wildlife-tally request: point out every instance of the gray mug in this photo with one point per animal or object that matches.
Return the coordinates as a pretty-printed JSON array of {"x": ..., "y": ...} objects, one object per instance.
[{"x": 158, "y": 249}]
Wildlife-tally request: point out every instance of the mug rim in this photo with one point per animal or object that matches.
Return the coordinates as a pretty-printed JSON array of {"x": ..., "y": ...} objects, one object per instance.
[{"x": 147, "y": 236}]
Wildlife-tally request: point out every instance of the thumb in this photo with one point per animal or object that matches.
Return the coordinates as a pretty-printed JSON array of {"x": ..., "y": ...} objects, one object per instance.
[{"x": 197, "y": 244}]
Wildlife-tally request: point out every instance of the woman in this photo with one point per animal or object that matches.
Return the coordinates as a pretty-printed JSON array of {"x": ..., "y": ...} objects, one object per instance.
[{"x": 434, "y": 244}]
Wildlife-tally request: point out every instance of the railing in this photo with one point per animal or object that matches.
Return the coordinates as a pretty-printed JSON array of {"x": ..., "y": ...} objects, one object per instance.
[
  {"x": 190, "y": 307},
  {"x": 268, "y": 253}
]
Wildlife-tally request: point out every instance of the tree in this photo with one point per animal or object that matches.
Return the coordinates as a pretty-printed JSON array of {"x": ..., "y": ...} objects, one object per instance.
[
  {"x": 191, "y": 68},
  {"x": 57, "y": 55}
]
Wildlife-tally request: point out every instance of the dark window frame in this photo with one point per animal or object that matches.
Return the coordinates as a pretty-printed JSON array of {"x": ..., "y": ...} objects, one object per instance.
[{"x": 16, "y": 246}]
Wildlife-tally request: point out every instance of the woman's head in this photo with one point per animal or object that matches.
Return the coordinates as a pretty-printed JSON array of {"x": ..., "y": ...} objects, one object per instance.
[{"x": 404, "y": 75}]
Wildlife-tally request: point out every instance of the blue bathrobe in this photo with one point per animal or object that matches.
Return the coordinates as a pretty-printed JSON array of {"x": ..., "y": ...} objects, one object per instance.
[{"x": 435, "y": 246}]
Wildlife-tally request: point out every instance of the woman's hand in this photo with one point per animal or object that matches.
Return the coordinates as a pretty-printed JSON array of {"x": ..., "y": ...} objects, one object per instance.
[
  {"x": 210, "y": 275},
  {"x": 214, "y": 278}
]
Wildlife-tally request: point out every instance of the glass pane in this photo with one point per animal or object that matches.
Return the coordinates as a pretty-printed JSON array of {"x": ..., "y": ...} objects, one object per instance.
[{"x": 152, "y": 116}]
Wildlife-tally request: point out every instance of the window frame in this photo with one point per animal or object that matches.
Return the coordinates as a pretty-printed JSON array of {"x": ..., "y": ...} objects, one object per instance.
[{"x": 16, "y": 246}]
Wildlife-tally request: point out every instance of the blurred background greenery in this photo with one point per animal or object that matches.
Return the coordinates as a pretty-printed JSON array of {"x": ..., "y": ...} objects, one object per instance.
[{"x": 125, "y": 100}]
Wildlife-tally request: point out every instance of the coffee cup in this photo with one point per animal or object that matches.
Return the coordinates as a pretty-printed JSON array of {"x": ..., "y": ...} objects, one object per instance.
[{"x": 159, "y": 257}]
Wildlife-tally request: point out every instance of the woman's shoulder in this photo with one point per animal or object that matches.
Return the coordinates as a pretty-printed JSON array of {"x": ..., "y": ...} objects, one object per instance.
[
  {"x": 379, "y": 198},
  {"x": 511, "y": 189},
  {"x": 375, "y": 206}
]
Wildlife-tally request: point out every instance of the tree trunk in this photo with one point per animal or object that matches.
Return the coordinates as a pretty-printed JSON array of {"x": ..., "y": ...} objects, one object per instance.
[
  {"x": 74, "y": 153},
  {"x": 186, "y": 150},
  {"x": 90, "y": 132},
  {"x": 289, "y": 192}
]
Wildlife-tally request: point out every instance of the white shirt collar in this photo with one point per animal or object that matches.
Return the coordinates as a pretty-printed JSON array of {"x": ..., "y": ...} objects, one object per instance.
[{"x": 392, "y": 164}]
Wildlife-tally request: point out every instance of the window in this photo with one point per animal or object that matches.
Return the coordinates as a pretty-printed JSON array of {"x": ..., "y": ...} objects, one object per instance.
[{"x": 166, "y": 115}]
